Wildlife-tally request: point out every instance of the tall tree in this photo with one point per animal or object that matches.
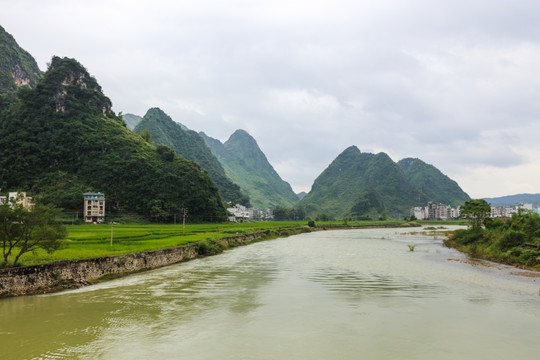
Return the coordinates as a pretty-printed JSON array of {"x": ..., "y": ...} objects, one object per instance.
[
  {"x": 23, "y": 230},
  {"x": 476, "y": 211}
]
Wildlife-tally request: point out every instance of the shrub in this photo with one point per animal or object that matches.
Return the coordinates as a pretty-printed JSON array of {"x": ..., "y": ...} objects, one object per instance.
[
  {"x": 210, "y": 247},
  {"x": 469, "y": 236},
  {"x": 529, "y": 257},
  {"x": 311, "y": 223},
  {"x": 510, "y": 239}
]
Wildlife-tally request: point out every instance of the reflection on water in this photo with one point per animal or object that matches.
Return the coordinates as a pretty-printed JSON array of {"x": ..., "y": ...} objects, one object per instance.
[{"x": 337, "y": 294}]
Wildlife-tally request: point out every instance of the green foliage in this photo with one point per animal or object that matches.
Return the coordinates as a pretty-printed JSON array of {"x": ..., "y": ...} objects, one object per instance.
[
  {"x": 311, "y": 223},
  {"x": 211, "y": 247},
  {"x": 476, "y": 211},
  {"x": 64, "y": 132},
  {"x": 369, "y": 204},
  {"x": 246, "y": 165},
  {"x": 190, "y": 145},
  {"x": 351, "y": 183},
  {"x": 510, "y": 239},
  {"x": 145, "y": 134},
  {"x": 438, "y": 187},
  {"x": 514, "y": 241},
  {"x": 288, "y": 214},
  {"x": 23, "y": 230},
  {"x": 467, "y": 237}
]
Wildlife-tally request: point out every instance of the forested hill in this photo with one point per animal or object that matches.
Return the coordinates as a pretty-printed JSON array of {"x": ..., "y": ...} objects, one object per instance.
[
  {"x": 163, "y": 130},
  {"x": 247, "y": 166},
  {"x": 17, "y": 67},
  {"x": 362, "y": 185},
  {"x": 438, "y": 187},
  {"x": 62, "y": 139}
]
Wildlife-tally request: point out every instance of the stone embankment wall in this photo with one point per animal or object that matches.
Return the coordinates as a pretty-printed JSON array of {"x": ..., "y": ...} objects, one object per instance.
[{"x": 41, "y": 279}]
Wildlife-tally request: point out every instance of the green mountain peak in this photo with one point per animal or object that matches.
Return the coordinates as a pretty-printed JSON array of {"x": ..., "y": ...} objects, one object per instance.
[
  {"x": 361, "y": 185},
  {"x": 247, "y": 166},
  {"x": 190, "y": 145}
]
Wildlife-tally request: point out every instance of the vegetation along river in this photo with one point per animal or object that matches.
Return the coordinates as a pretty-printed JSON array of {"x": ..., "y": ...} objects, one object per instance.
[{"x": 351, "y": 294}]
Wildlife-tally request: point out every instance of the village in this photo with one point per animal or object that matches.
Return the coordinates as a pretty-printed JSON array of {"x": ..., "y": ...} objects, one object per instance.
[{"x": 445, "y": 212}]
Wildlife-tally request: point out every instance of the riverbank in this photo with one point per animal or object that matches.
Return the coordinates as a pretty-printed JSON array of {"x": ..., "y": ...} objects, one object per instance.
[
  {"x": 71, "y": 274},
  {"x": 515, "y": 241},
  {"x": 63, "y": 275}
]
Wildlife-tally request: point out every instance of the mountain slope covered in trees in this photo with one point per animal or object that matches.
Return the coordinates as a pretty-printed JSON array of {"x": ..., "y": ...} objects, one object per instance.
[
  {"x": 438, "y": 187},
  {"x": 17, "y": 67},
  {"x": 362, "y": 185},
  {"x": 247, "y": 166},
  {"x": 163, "y": 130},
  {"x": 62, "y": 139}
]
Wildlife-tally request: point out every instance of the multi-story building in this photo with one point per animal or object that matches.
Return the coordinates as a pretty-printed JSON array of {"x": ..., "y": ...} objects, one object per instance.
[
  {"x": 418, "y": 212},
  {"x": 94, "y": 208},
  {"x": 18, "y": 198},
  {"x": 435, "y": 212}
]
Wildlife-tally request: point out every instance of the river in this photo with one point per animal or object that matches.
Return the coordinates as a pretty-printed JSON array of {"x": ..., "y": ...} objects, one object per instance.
[{"x": 344, "y": 294}]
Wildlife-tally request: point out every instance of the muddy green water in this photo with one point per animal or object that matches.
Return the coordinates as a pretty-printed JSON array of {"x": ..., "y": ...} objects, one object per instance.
[{"x": 356, "y": 294}]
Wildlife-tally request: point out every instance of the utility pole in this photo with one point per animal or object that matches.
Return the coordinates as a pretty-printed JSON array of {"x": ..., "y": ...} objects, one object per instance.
[
  {"x": 112, "y": 226},
  {"x": 184, "y": 213}
]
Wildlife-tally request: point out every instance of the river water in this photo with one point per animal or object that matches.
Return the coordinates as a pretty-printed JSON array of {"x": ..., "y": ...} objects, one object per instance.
[{"x": 351, "y": 294}]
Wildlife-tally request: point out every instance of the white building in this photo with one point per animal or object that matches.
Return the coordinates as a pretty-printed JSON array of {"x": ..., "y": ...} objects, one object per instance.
[
  {"x": 18, "y": 198},
  {"x": 418, "y": 212}
]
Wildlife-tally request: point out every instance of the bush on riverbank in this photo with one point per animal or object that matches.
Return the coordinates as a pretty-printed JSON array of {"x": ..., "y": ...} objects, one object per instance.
[
  {"x": 515, "y": 241},
  {"x": 211, "y": 247}
]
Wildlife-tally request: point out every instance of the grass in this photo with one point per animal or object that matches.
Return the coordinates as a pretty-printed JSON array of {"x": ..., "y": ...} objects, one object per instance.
[{"x": 89, "y": 241}]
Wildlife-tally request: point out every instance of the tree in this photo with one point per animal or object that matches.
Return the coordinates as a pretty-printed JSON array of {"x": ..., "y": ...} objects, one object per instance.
[
  {"x": 476, "y": 211},
  {"x": 23, "y": 230},
  {"x": 145, "y": 134}
]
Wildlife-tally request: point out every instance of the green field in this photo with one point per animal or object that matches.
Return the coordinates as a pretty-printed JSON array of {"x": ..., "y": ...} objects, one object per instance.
[{"x": 89, "y": 241}]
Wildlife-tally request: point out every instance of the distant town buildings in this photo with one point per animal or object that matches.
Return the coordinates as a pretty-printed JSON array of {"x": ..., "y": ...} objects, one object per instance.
[
  {"x": 507, "y": 211},
  {"x": 18, "y": 198},
  {"x": 94, "y": 208},
  {"x": 435, "y": 212},
  {"x": 240, "y": 213},
  {"x": 442, "y": 212}
]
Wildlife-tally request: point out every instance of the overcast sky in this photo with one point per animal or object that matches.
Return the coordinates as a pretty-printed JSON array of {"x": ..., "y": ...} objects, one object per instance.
[{"x": 454, "y": 83}]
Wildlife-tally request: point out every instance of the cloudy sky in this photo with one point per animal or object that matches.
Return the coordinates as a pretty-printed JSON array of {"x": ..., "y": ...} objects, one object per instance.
[{"x": 454, "y": 83}]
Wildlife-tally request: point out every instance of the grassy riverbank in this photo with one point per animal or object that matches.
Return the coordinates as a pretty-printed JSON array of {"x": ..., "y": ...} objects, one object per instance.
[
  {"x": 514, "y": 241},
  {"x": 90, "y": 241}
]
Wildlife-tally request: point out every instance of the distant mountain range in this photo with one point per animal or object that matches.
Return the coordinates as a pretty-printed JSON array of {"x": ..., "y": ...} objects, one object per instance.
[{"x": 514, "y": 200}]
